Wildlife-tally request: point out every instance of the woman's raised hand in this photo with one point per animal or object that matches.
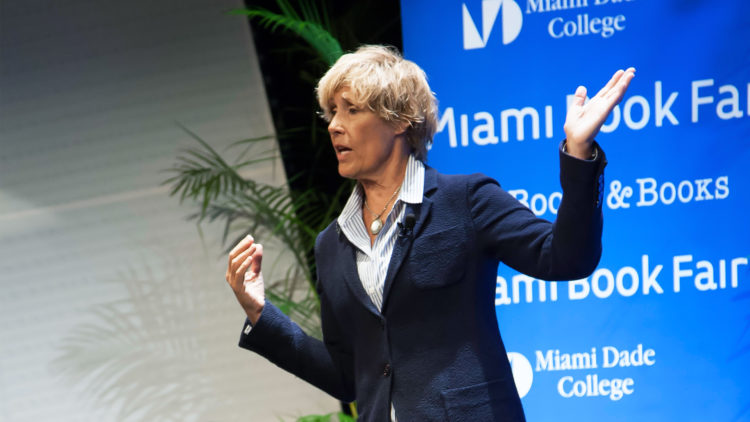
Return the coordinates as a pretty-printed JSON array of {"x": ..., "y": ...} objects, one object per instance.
[
  {"x": 583, "y": 121},
  {"x": 245, "y": 278}
]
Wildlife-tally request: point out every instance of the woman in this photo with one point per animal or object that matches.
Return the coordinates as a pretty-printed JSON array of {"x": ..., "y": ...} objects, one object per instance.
[{"x": 406, "y": 274}]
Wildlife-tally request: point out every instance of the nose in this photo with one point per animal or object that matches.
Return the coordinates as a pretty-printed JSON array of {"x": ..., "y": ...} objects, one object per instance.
[{"x": 334, "y": 126}]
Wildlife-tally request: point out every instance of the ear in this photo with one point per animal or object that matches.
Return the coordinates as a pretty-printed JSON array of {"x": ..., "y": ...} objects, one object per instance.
[{"x": 400, "y": 128}]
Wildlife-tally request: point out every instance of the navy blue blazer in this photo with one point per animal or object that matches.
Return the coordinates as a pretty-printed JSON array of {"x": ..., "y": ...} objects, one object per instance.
[{"x": 435, "y": 350}]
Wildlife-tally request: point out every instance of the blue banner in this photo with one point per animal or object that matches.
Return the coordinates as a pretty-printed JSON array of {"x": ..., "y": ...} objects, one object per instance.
[{"x": 661, "y": 330}]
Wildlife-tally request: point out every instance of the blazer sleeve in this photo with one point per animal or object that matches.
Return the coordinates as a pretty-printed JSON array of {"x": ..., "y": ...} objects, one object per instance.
[
  {"x": 569, "y": 248},
  {"x": 327, "y": 365}
]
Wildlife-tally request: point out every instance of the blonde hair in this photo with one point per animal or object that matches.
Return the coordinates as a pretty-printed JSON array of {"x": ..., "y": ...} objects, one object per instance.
[{"x": 394, "y": 88}]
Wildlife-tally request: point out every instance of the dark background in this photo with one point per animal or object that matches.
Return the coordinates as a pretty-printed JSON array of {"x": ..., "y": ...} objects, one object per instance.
[{"x": 291, "y": 71}]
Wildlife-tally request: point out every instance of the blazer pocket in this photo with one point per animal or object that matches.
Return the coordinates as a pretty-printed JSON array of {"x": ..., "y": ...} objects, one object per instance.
[
  {"x": 438, "y": 259},
  {"x": 496, "y": 400}
]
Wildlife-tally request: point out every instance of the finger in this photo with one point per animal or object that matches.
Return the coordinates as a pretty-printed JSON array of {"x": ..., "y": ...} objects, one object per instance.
[
  {"x": 579, "y": 96},
  {"x": 242, "y": 246},
  {"x": 242, "y": 256},
  {"x": 244, "y": 243},
  {"x": 618, "y": 91},
  {"x": 239, "y": 274},
  {"x": 236, "y": 262},
  {"x": 611, "y": 83},
  {"x": 251, "y": 265},
  {"x": 257, "y": 259},
  {"x": 576, "y": 105}
]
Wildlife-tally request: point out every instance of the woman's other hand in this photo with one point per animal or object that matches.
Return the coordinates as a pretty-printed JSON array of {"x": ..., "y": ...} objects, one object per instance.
[
  {"x": 583, "y": 121},
  {"x": 245, "y": 278}
]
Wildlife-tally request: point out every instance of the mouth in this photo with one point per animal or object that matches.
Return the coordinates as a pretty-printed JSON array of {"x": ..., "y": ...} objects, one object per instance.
[{"x": 341, "y": 149}]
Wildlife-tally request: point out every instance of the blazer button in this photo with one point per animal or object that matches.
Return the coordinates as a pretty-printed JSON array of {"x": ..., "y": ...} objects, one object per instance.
[{"x": 387, "y": 370}]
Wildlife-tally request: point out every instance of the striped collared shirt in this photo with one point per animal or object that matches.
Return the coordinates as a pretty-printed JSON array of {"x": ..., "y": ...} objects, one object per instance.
[{"x": 372, "y": 261}]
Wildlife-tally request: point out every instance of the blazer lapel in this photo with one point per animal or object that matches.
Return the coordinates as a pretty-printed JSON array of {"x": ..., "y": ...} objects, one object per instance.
[
  {"x": 350, "y": 274},
  {"x": 403, "y": 243}
]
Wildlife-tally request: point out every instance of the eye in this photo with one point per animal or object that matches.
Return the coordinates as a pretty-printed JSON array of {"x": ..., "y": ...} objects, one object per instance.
[{"x": 353, "y": 110}]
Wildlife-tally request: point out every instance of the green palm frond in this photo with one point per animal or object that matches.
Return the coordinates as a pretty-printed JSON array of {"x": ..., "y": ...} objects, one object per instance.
[
  {"x": 246, "y": 206},
  {"x": 340, "y": 417},
  {"x": 202, "y": 173},
  {"x": 310, "y": 26},
  {"x": 293, "y": 217}
]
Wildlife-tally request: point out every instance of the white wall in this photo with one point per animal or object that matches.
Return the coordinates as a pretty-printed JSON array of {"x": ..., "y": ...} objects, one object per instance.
[{"x": 113, "y": 307}]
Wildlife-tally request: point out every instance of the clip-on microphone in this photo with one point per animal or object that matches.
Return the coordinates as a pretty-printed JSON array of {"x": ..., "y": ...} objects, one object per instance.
[{"x": 407, "y": 226}]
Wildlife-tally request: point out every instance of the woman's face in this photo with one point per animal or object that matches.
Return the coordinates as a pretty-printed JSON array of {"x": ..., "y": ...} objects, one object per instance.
[{"x": 364, "y": 143}]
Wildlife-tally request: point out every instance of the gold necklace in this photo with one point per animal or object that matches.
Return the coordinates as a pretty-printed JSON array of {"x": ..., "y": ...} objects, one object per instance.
[{"x": 376, "y": 224}]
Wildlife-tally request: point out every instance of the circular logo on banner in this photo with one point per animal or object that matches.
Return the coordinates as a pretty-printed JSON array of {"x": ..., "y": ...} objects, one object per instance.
[{"x": 523, "y": 375}]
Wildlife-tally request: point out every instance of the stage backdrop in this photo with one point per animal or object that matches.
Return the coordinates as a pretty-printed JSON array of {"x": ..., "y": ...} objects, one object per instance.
[{"x": 661, "y": 330}]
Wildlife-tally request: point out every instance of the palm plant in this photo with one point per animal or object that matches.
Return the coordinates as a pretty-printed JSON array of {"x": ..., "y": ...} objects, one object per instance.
[
  {"x": 129, "y": 337},
  {"x": 312, "y": 25},
  {"x": 292, "y": 216},
  {"x": 246, "y": 206}
]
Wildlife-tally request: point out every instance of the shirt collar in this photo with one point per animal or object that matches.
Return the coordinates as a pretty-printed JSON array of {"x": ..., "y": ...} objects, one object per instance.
[{"x": 412, "y": 191}]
